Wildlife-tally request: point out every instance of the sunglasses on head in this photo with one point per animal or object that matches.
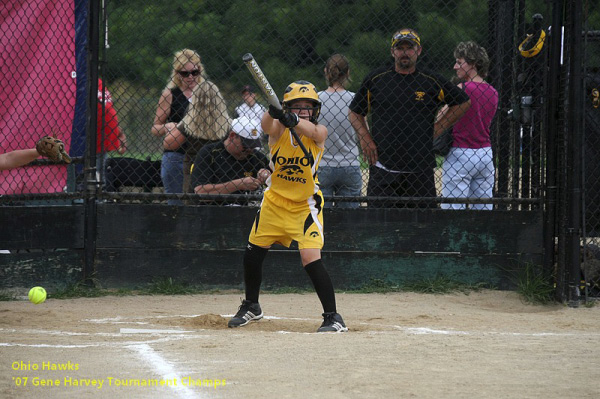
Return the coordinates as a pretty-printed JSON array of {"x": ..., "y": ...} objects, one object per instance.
[{"x": 185, "y": 74}]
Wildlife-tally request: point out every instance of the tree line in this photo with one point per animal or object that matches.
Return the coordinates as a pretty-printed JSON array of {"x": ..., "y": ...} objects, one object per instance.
[{"x": 290, "y": 40}]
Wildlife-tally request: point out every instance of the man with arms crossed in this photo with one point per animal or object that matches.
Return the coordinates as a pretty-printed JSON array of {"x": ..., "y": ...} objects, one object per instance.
[{"x": 403, "y": 101}]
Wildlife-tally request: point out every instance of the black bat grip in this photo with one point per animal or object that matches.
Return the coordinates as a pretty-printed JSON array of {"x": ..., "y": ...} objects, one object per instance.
[{"x": 302, "y": 147}]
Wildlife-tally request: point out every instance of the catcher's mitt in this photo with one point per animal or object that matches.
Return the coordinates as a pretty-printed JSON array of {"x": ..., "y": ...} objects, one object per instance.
[{"x": 52, "y": 148}]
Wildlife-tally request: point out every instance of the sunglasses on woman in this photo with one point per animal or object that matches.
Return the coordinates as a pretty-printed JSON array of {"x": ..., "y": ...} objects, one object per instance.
[{"x": 185, "y": 74}]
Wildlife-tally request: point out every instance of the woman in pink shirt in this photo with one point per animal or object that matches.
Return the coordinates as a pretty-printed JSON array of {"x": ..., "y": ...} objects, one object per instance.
[{"x": 468, "y": 170}]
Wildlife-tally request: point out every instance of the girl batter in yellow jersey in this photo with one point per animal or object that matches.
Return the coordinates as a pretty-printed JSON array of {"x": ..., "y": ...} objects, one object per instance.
[{"x": 292, "y": 206}]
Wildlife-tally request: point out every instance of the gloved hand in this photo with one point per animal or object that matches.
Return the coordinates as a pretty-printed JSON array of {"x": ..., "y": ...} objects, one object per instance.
[
  {"x": 275, "y": 113},
  {"x": 289, "y": 119},
  {"x": 53, "y": 148}
]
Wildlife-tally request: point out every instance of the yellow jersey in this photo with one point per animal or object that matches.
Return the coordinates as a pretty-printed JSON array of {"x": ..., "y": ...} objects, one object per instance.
[{"x": 293, "y": 177}]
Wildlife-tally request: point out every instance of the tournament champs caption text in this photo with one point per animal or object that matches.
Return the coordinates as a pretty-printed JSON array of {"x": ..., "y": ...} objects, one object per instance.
[{"x": 99, "y": 383}]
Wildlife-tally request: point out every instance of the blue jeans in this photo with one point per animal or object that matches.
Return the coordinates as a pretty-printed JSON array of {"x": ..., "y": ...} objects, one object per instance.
[
  {"x": 341, "y": 181},
  {"x": 171, "y": 172}
]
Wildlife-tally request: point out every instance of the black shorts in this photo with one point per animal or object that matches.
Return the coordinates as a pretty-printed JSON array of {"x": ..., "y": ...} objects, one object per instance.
[{"x": 387, "y": 184}]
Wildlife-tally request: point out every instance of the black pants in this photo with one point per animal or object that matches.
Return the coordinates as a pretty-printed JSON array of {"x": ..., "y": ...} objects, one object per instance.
[{"x": 387, "y": 184}]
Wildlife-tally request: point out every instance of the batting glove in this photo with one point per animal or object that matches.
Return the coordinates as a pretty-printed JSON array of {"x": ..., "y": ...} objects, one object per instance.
[
  {"x": 289, "y": 119},
  {"x": 275, "y": 113}
]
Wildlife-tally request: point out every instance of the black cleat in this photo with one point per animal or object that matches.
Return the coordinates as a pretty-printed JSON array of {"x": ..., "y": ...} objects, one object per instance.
[
  {"x": 248, "y": 312},
  {"x": 332, "y": 322}
]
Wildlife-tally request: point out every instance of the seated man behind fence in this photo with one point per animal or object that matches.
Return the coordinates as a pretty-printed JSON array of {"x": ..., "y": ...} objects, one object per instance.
[{"x": 234, "y": 165}]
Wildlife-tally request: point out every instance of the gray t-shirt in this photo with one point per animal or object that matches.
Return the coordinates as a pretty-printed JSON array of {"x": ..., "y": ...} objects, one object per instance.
[{"x": 341, "y": 147}]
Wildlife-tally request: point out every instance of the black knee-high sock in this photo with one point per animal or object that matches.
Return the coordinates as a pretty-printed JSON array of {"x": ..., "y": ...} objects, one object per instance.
[
  {"x": 253, "y": 260},
  {"x": 323, "y": 285}
]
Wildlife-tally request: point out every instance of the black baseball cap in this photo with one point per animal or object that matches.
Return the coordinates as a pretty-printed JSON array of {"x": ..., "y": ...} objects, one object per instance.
[{"x": 248, "y": 88}]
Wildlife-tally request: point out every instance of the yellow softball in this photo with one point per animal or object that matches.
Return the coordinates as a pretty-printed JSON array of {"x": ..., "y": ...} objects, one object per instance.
[{"x": 37, "y": 295}]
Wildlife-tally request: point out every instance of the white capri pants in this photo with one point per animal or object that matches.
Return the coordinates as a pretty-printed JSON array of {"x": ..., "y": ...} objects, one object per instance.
[{"x": 468, "y": 173}]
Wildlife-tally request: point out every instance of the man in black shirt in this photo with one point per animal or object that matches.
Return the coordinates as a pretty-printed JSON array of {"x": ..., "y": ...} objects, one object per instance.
[
  {"x": 403, "y": 101},
  {"x": 234, "y": 165}
]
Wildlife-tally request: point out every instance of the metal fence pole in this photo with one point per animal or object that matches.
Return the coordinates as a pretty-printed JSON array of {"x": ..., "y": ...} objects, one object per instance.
[
  {"x": 574, "y": 121},
  {"x": 551, "y": 123},
  {"x": 502, "y": 76},
  {"x": 91, "y": 185}
]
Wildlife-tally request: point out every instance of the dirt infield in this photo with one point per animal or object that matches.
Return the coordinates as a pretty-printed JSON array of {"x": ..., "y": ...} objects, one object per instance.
[{"x": 484, "y": 345}]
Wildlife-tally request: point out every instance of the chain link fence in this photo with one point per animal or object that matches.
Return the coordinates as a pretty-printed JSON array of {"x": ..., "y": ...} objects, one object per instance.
[
  {"x": 159, "y": 62},
  {"x": 177, "y": 115},
  {"x": 37, "y": 89},
  {"x": 496, "y": 152},
  {"x": 591, "y": 166}
]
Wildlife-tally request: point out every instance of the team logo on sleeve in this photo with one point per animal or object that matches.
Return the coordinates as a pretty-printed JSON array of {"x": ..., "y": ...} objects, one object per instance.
[{"x": 419, "y": 95}]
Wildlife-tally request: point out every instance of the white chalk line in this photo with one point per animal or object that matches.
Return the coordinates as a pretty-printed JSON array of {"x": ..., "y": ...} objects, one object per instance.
[
  {"x": 168, "y": 371},
  {"x": 152, "y": 331},
  {"x": 163, "y": 368},
  {"x": 120, "y": 334},
  {"x": 409, "y": 330},
  {"x": 54, "y": 332},
  {"x": 125, "y": 320},
  {"x": 162, "y": 340},
  {"x": 432, "y": 331},
  {"x": 175, "y": 334}
]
